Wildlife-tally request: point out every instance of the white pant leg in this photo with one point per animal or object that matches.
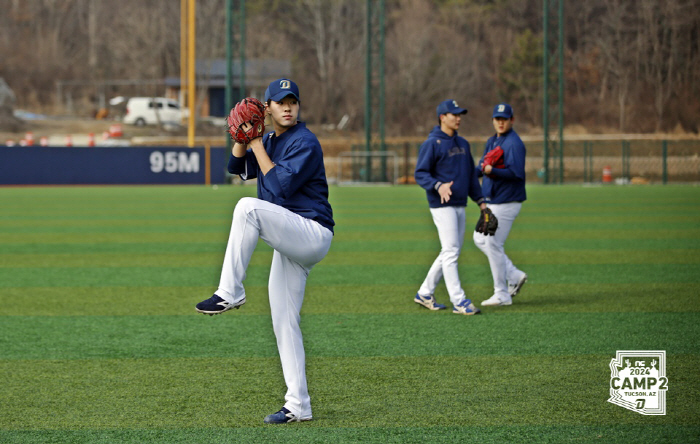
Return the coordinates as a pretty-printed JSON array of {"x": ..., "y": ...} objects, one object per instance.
[
  {"x": 242, "y": 239},
  {"x": 513, "y": 273},
  {"x": 286, "y": 294},
  {"x": 450, "y": 223},
  {"x": 301, "y": 239},
  {"x": 307, "y": 246},
  {"x": 299, "y": 244},
  {"x": 493, "y": 246}
]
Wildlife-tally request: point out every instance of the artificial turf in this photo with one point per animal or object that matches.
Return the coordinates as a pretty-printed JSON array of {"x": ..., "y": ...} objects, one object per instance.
[{"x": 99, "y": 341}]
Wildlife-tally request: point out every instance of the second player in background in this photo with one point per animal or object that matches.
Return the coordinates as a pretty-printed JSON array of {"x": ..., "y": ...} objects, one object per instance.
[{"x": 445, "y": 169}]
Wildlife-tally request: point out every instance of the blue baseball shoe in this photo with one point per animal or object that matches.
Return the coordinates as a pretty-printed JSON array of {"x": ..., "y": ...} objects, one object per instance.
[
  {"x": 428, "y": 302},
  {"x": 465, "y": 308},
  {"x": 284, "y": 416},
  {"x": 215, "y": 305}
]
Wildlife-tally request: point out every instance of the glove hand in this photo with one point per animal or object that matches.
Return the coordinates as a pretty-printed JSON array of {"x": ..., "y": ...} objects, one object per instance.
[
  {"x": 246, "y": 121},
  {"x": 493, "y": 159},
  {"x": 487, "y": 224}
]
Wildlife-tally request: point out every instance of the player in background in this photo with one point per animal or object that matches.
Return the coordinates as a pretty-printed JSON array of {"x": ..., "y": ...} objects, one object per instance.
[
  {"x": 293, "y": 216},
  {"x": 445, "y": 169},
  {"x": 504, "y": 188}
]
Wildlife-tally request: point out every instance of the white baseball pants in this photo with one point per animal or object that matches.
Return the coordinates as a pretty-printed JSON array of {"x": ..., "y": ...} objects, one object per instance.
[
  {"x": 450, "y": 223},
  {"x": 502, "y": 267},
  {"x": 299, "y": 244}
]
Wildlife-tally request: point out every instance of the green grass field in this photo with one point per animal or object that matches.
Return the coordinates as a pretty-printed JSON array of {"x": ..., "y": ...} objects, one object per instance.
[{"x": 100, "y": 343}]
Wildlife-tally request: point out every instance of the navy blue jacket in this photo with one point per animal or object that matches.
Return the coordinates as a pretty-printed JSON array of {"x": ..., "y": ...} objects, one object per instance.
[
  {"x": 505, "y": 184},
  {"x": 444, "y": 159},
  {"x": 298, "y": 180}
]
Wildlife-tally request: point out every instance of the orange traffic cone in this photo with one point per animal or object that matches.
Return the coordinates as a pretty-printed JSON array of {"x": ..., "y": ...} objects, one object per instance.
[
  {"x": 69, "y": 140},
  {"x": 29, "y": 137},
  {"x": 44, "y": 141},
  {"x": 91, "y": 139},
  {"x": 607, "y": 174}
]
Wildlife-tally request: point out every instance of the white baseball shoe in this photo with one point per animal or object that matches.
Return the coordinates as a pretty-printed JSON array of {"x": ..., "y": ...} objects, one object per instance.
[
  {"x": 495, "y": 300},
  {"x": 513, "y": 289}
]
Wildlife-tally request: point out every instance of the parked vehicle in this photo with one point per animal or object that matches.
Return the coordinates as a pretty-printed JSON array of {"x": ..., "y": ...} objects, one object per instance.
[{"x": 142, "y": 111}]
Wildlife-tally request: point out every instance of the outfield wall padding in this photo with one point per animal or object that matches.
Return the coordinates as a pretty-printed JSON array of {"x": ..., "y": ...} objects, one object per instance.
[{"x": 112, "y": 165}]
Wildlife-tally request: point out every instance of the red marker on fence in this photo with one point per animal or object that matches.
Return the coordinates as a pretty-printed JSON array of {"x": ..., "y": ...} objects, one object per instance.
[{"x": 115, "y": 130}]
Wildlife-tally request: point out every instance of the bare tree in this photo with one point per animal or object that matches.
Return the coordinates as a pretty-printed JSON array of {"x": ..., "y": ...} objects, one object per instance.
[
  {"x": 329, "y": 32},
  {"x": 663, "y": 23},
  {"x": 616, "y": 41},
  {"x": 417, "y": 64}
]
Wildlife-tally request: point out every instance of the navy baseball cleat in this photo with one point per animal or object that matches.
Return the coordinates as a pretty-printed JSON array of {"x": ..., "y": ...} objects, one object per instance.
[
  {"x": 284, "y": 416},
  {"x": 215, "y": 305},
  {"x": 428, "y": 302},
  {"x": 465, "y": 308}
]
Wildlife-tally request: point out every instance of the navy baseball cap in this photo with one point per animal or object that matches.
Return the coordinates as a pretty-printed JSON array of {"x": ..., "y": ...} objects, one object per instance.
[
  {"x": 503, "y": 110},
  {"x": 281, "y": 88},
  {"x": 449, "y": 107}
]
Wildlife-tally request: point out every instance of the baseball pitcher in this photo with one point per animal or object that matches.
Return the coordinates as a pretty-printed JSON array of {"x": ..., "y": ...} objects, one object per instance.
[{"x": 291, "y": 214}]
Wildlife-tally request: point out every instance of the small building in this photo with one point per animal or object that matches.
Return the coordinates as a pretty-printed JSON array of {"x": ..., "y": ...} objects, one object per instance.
[{"x": 211, "y": 75}]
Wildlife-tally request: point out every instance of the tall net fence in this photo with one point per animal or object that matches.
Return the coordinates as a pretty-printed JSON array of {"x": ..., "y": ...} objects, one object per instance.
[
  {"x": 631, "y": 160},
  {"x": 583, "y": 161},
  {"x": 359, "y": 166}
]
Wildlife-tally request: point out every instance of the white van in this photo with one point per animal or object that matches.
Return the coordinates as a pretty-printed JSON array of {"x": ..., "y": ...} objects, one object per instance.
[{"x": 141, "y": 111}]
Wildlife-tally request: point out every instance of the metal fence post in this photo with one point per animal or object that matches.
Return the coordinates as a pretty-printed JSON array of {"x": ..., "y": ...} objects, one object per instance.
[
  {"x": 590, "y": 161},
  {"x": 626, "y": 159},
  {"x": 664, "y": 164},
  {"x": 587, "y": 161}
]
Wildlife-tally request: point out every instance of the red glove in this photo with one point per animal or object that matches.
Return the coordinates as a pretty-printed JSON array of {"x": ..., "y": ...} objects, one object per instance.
[
  {"x": 247, "y": 111},
  {"x": 494, "y": 158}
]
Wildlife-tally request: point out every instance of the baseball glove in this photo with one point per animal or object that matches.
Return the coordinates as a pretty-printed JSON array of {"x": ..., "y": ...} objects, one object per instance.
[
  {"x": 247, "y": 111},
  {"x": 494, "y": 158},
  {"x": 487, "y": 224}
]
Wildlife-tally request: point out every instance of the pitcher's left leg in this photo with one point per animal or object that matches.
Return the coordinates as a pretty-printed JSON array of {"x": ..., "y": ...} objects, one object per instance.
[
  {"x": 286, "y": 287},
  {"x": 299, "y": 245}
]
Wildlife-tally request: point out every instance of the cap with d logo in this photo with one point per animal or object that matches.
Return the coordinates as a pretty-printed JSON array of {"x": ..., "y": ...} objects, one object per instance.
[
  {"x": 503, "y": 110},
  {"x": 281, "y": 88}
]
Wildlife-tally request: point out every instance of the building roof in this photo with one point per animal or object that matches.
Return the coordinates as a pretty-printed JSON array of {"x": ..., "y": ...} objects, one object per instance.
[{"x": 258, "y": 72}]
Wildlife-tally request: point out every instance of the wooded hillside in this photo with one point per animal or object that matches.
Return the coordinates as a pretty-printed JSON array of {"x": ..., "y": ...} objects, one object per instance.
[{"x": 630, "y": 66}]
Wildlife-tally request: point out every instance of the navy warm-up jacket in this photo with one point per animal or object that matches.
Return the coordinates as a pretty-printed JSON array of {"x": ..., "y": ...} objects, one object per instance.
[
  {"x": 505, "y": 184},
  {"x": 444, "y": 159},
  {"x": 298, "y": 180}
]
